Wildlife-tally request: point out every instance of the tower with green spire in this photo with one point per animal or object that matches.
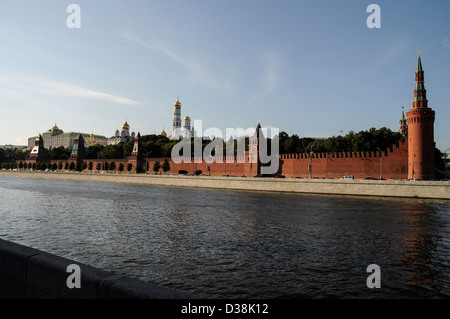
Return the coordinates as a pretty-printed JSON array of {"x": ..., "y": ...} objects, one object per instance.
[
  {"x": 420, "y": 121},
  {"x": 403, "y": 124}
]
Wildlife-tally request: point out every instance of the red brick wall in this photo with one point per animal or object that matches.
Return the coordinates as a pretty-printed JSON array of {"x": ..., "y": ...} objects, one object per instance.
[
  {"x": 332, "y": 165},
  {"x": 234, "y": 168},
  {"x": 359, "y": 164}
]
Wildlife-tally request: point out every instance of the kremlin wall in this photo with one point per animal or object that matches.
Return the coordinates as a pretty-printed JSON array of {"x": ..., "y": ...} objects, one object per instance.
[{"x": 412, "y": 158}]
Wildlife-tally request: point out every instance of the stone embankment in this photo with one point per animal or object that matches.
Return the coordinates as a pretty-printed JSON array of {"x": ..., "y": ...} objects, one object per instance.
[{"x": 390, "y": 188}]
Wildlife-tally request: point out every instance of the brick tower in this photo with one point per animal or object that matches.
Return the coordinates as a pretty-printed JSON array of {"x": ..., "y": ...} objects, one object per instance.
[
  {"x": 136, "y": 158},
  {"x": 403, "y": 124},
  {"x": 420, "y": 132},
  {"x": 38, "y": 153},
  {"x": 253, "y": 167},
  {"x": 78, "y": 150}
]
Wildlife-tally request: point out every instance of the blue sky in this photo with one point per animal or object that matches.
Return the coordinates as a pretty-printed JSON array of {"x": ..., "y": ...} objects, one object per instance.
[{"x": 311, "y": 68}]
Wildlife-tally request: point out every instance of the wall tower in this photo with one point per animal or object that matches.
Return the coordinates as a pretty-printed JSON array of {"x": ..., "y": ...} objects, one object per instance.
[
  {"x": 420, "y": 131},
  {"x": 403, "y": 124},
  {"x": 78, "y": 150}
]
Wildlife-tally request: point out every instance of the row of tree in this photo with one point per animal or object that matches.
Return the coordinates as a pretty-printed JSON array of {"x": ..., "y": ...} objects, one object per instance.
[
  {"x": 160, "y": 146},
  {"x": 80, "y": 166},
  {"x": 371, "y": 140}
]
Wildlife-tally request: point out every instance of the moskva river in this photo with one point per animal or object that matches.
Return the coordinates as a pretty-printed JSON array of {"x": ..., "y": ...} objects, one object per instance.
[{"x": 237, "y": 244}]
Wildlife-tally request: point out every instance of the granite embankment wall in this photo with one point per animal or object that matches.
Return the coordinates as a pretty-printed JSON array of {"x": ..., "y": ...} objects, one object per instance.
[
  {"x": 391, "y": 188},
  {"x": 27, "y": 273}
]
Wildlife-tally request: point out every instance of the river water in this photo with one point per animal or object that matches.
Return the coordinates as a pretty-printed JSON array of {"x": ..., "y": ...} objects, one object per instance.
[{"x": 237, "y": 244}]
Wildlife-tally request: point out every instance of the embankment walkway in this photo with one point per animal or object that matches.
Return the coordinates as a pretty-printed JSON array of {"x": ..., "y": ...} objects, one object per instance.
[{"x": 390, "y": 188}]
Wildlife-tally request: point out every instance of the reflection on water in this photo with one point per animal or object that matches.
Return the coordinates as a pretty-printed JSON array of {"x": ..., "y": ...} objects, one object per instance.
[{"x": 237, "y": 244}]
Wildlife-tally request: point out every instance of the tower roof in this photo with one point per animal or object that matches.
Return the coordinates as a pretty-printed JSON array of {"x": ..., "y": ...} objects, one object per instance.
[
  {"x": 419, "y": 64},
  {"x": 420, "y": 93},
  {"x": 177, "y": 104},
  {"x": 257, "y": 130},
  {"x": 125, "y": 126}
]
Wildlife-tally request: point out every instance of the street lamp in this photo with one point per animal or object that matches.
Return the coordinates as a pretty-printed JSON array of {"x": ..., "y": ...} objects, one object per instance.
[
  {"x": 381, "y": 164},
  {"x": 310, "y": 157}
]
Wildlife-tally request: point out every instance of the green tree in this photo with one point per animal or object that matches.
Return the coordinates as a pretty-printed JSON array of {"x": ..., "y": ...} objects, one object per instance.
[
  {"x": 129, "y": 167},
  {"x": 60, "y": 152},
  {"x": 128, "y": 148},
  {"x": 112, "y": 151},
  {"x": 156, "y": 166},
  {"x": 54, "y": 166},
  {"x": 121, "y": 167},
  {"x": 60, "y": 165},
  {"x": 98, "y": 166},
  {"x": 165, "y": 166},
  {"x": 66, "y": 166},
  {"x": 112, "y": 166},
  {"x": 84, "y": 166},
  {"x": 71, "y": 166},
  {"x": 20, "y": 154},
  {"x": 93, "y": 151}
]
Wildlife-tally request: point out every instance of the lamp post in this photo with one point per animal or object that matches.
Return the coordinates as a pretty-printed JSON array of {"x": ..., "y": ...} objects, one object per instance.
[
  {"x": 381, "y": 164},
  {"x": 310, "y": 157}
]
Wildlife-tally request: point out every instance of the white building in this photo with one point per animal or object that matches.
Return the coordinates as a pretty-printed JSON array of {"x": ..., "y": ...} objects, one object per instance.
[
  {"x": 178, "y": 131},
  {"x": 123, "y": 136},
  {"x": 55, "y": 137}
]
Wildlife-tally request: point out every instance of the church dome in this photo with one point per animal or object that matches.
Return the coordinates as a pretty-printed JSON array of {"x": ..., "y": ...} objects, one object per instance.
[
  {"x": 55, "y": 130},
  {"x": 125, "y": 126},
  {"x": 187, "y": 118},
  {"x": 177, "y": 104},
  {"x": 163, "y": 133}
]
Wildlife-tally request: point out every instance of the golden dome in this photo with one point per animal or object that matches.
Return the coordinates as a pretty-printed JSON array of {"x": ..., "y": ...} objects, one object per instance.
[
  {"x": 55, "y": 130},
  {"x": 177, "y": 104},
  {"x": 163, "y": 133},
  {"x": 187, "y": 118},
  {"x": 125, "y": 126}
]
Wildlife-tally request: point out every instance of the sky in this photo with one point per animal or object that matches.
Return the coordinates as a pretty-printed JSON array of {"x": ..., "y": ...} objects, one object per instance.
[{"x": 311, "y": 68}]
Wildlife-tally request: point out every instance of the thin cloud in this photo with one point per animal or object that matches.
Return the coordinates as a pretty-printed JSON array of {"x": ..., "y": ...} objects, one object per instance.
[
  {"x": 71, "y": 90},
  {"x": 445, "y": 43},
  {"x": 393, "y": 52},
  {"x": 270, "y": 66},
  {"x": 198, "y": 73},
  {"x": 42, "y": 86}
]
